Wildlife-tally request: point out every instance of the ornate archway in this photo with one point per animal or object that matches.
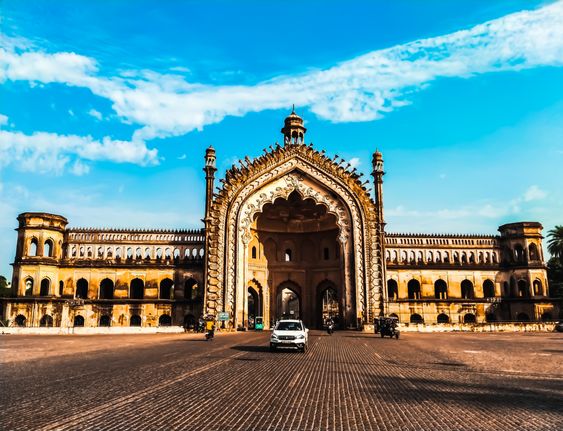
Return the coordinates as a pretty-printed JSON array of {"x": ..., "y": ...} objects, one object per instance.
[{"x": 293, "y": 168}]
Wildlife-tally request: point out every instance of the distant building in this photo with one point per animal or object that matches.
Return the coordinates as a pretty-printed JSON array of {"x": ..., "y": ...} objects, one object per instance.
[{"x": 290, "y": 233}]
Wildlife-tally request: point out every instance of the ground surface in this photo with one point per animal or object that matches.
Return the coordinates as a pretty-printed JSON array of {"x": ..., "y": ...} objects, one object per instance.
[{"x": 350, "y": 381}]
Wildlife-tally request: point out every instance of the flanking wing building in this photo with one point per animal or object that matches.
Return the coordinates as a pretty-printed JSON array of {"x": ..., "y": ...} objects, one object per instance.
[{"x": 290, "y": 233}]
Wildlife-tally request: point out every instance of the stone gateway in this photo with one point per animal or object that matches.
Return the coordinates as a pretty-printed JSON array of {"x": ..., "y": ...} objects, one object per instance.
[{"x": 292, "y": 233}]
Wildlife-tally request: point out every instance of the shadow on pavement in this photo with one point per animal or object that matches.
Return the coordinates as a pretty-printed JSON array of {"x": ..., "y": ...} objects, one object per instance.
[{"x": 476, "y": 395}]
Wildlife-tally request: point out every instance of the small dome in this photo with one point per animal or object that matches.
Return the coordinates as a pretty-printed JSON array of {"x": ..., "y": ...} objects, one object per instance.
[{"x": 293, "y": 129}]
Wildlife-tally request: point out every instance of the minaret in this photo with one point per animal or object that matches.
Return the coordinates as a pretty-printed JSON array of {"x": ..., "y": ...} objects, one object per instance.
[
  {"x": 378, "y": 173},
  {"x": 209, "y": 170},
  {"x": 293, "y": 129}
]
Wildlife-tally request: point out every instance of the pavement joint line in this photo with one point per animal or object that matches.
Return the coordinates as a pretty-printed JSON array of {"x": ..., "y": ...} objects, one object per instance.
[{"x": 110, "y": 405}]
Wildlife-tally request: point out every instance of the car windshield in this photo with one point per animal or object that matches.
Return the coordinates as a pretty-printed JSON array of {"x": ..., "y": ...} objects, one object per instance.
[{"x": 289, "y": 326}]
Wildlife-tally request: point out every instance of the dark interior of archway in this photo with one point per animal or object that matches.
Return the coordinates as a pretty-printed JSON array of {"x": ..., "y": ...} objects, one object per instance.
[{"x": 297, "y": 242}]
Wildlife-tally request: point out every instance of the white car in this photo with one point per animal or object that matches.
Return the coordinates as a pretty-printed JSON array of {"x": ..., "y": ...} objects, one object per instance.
[{"x": 289, "y": 333}]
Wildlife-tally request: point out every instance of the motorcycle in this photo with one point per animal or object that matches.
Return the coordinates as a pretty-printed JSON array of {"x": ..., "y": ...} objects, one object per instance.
[
  {"x": 330, "y": 328},
  {"x": 209, "y": 335}
]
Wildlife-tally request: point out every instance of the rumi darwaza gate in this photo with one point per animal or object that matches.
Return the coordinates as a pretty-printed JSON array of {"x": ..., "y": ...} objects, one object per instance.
[{"x": 292, "y": 233}]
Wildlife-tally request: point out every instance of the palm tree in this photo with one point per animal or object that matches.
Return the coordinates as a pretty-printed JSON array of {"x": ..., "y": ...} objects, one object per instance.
[{"x": 555, "y": 243}]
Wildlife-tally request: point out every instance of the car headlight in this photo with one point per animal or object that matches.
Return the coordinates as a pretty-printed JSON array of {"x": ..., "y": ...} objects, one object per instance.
[
  {"x": 300, "y": 336},
  {"x": 274, "y": 336}
]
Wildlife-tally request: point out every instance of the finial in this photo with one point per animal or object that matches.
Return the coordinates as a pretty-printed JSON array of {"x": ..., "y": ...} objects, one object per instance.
[{"x": 293, "y": 108}]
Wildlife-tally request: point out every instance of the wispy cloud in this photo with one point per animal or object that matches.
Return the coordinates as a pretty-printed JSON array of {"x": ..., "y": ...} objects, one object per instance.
[
  {"x": 96, "y": 114},
  {"x": 3, "y": 120},
  {"x": 51, "y": 153},
  {"x": 361, "y": 89},
  {"x": 534, "y": 193}
]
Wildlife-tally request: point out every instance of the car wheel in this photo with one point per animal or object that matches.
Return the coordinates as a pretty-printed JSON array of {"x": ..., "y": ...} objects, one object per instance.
[
  {"x": 397, "y": 335},
  {"x": 272, "y": 348}
]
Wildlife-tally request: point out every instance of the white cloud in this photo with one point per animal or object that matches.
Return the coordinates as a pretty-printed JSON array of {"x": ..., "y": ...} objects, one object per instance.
[
  {"x": 3, "y": 120},
  {"x": 51, "y": 153},
  {"x": 71, "y": 112},
  {"x": 96, "y": 114},
  {"x": 361, "y": 89},
  {"x": 182, "y": 157},
  {"x": 534, "y": 193},
  {"x": 355, "y": 162}
]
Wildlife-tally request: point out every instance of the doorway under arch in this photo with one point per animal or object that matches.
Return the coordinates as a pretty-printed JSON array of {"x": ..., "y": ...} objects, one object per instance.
[
  {"x": 288, "y": 303},
  {"x": 328, "y": 303},
  {"x": 255, "y": 304}
]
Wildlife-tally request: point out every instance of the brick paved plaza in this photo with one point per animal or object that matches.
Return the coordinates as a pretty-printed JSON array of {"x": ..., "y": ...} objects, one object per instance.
[{"x": 347, "y": 381}]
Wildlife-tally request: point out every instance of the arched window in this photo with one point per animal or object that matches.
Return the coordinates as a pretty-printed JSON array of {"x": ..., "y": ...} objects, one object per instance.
[
  {"x": 440, "y": 289},
  {"x": 413, "y": 287},
  {"x": 416, "y": 318},
  {"x": 164, "y": 320},
  {"x": 106, "y": 289},
  {"x": 100, "y": 253},
  {"x": 82, "y": 288},
  {"x": 469, "y": 318},
  {"x": 463, "y": 257},
  {"x": 78, "y": 320},
  {"x": 89, "y": 252},
  {"x": 137, "y": 289},
  {"x": 33, "y": 247},
  {"x": 253, "y": 252},
  {"x": 20, "y": 320},
  {"x": 159, "y": 253},
  {"x": 191, "y": 291},
  {"x": 403, "y": 256},
  {"x": 519, "y": 253},
  {"x": 538, "y": 289},
  {"x": 48, "y": 248},
  {"x": 135, "y": 320},
  {"x": 46, "y": 321},
  {"x": 443, "y": 318},
  {"x": 105, "y": 320},
  {"x": 147, "y": 253},
  {"x": 392, "y": 290},
  {"x": 167, "y": 254},
  {"x": 287, "y": 255},
  {"x": 438, "y": 257},
  {"x": 523, "y": 291},
  {"x": 138, "y": 253},
  {"x": 429, "y": 256},
  {"x": 61, "y": 287},
  {"x": 29, "y": 286},
  {"x": 109, "y": 253},
  {"x": 166, "y": 289},
  {"x": 488, "y": 289},
  {"x": 129, "y": 253},
  {"x": 45, "y": 287},
  {"x": 467, "y": 291},
  {"x": 533, "y": 252}
]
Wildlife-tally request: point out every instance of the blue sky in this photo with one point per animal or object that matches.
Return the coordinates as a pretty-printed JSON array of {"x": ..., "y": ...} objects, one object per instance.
[{"x": 106, "y": 108}]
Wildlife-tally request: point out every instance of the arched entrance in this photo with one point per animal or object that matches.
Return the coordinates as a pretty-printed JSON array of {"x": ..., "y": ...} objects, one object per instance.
[
  {"x": 254, "y": 305},
  {"x": 329, "y": 307},
  {"x": 288, "y": 302},
  {"x": 294, "y": 242}
]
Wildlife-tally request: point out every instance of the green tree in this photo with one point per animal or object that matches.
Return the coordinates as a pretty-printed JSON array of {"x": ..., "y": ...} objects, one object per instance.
[
  {"x": 4, "y": 289},
  {"x": 555, "y": 243}
]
